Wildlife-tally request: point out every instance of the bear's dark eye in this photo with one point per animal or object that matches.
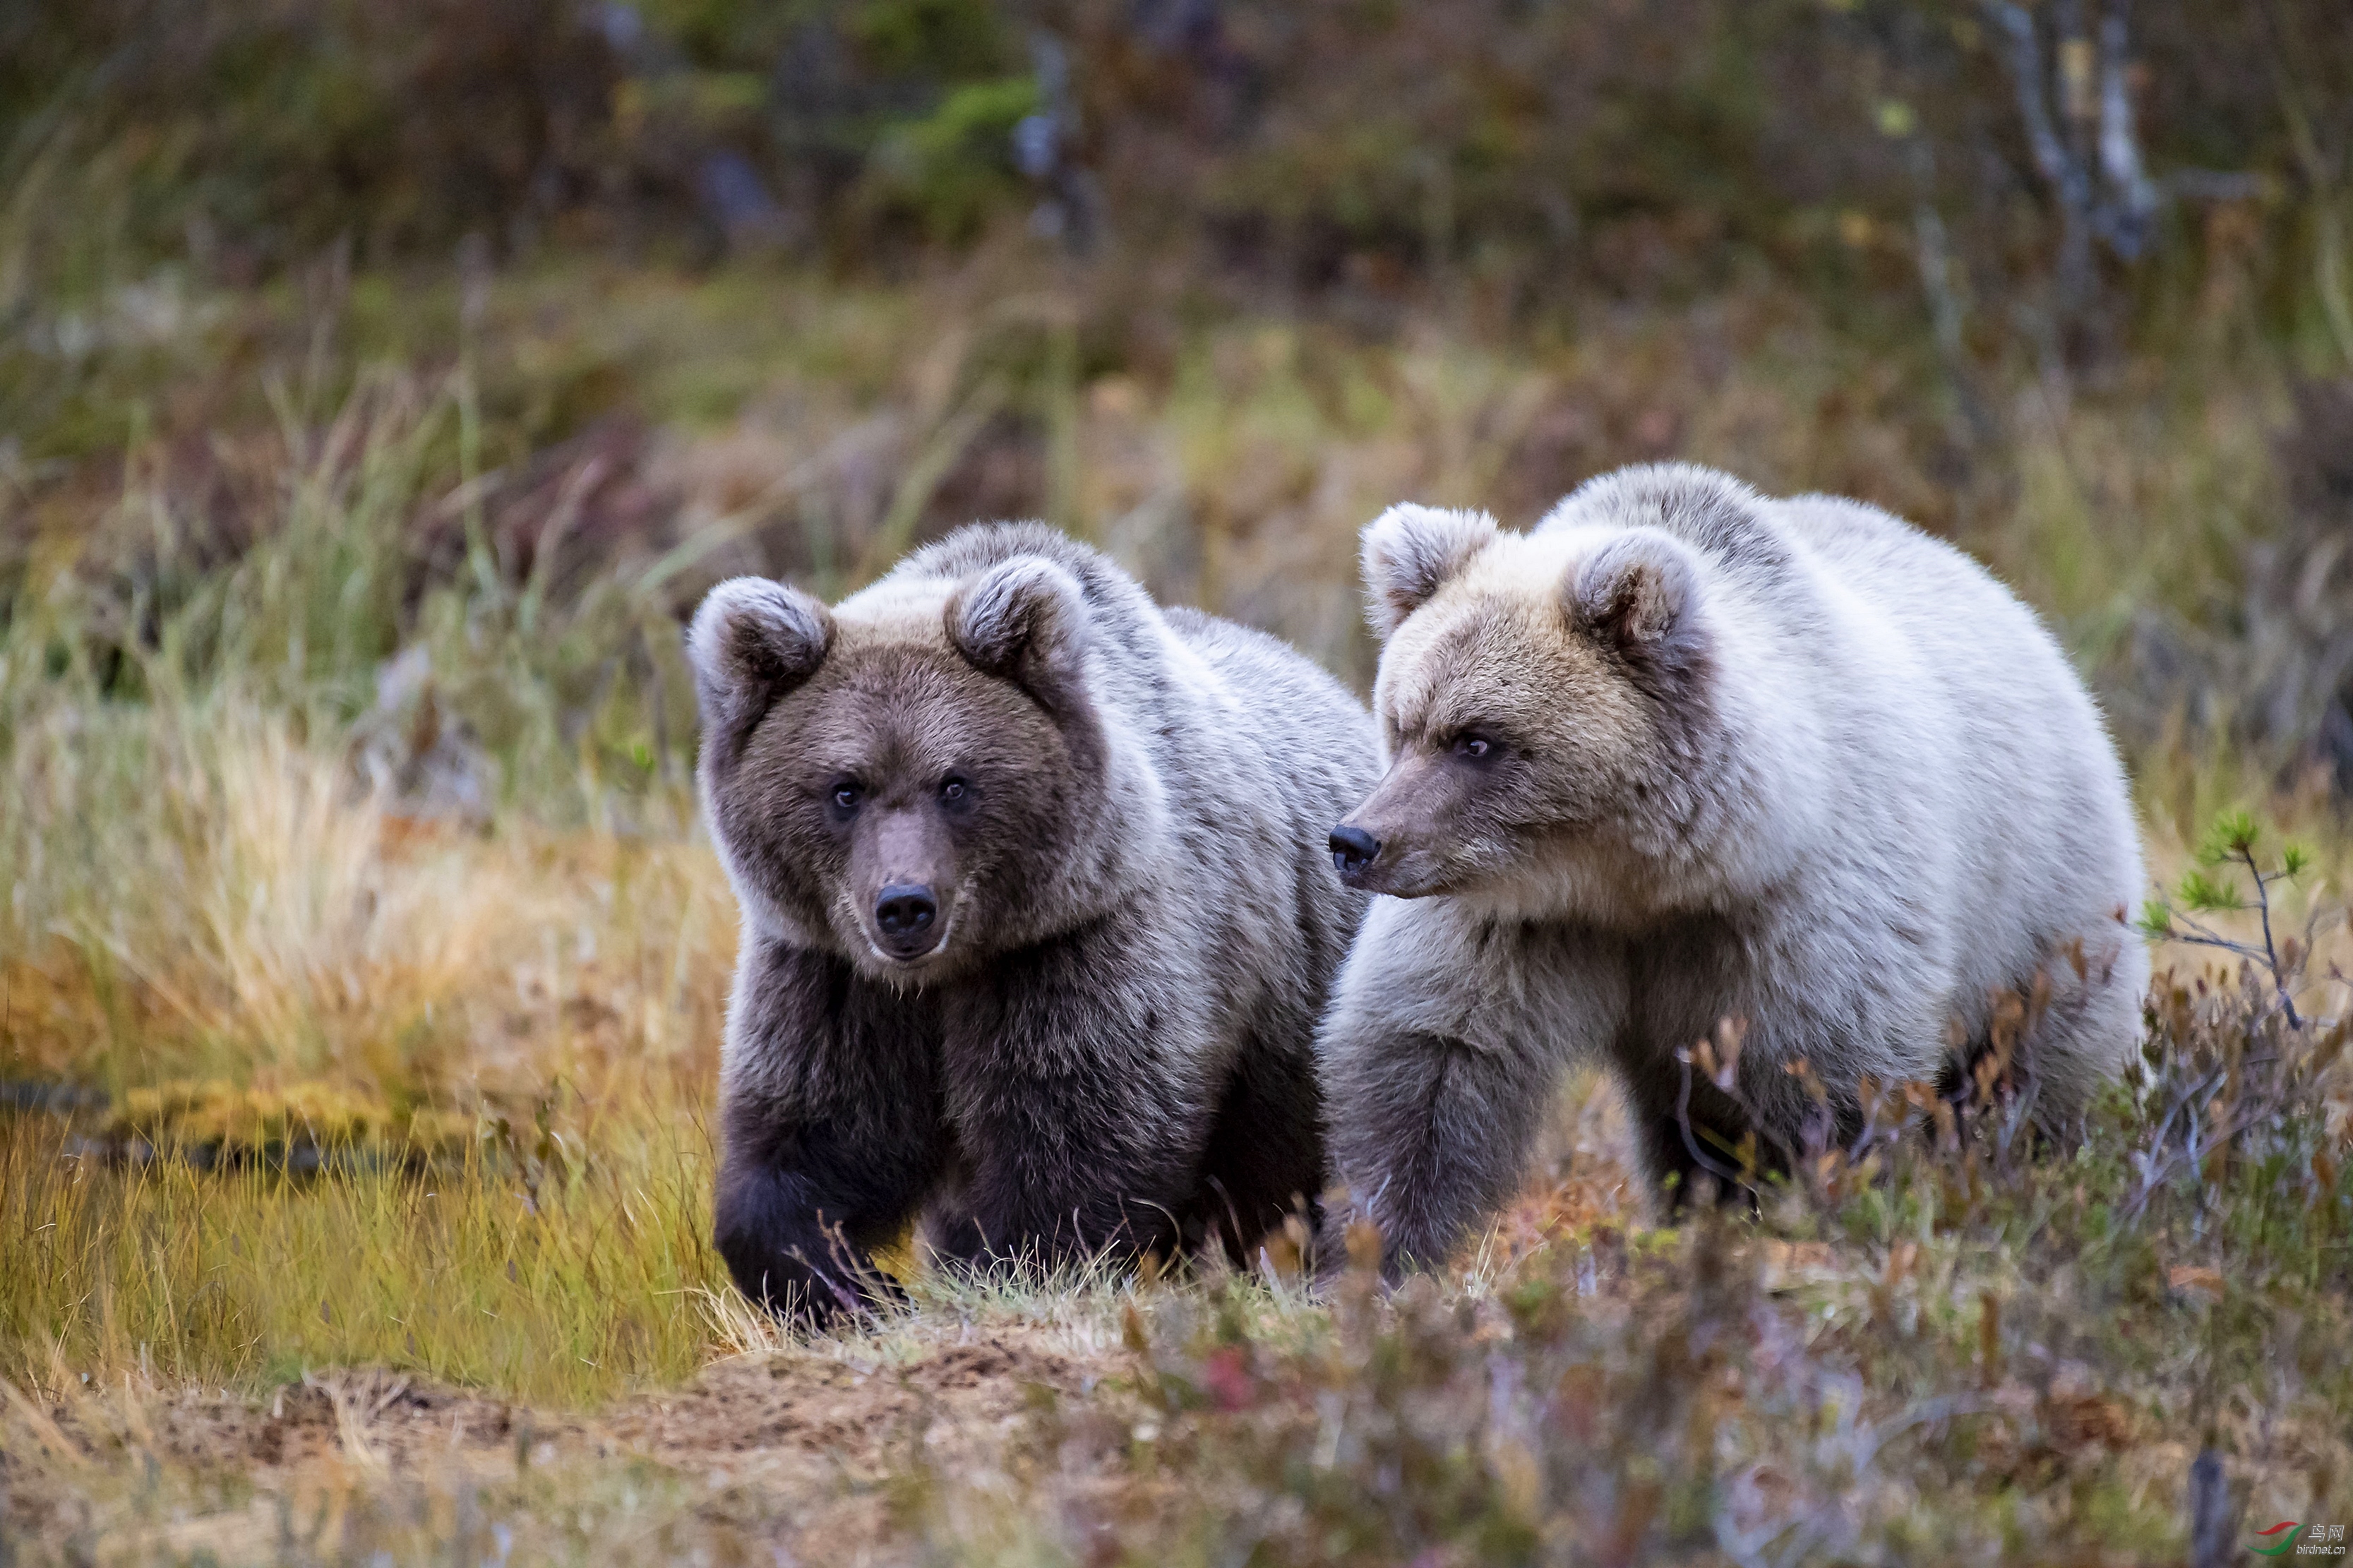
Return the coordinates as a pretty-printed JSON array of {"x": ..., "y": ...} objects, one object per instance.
[
  {"x": 955, "y": 792},
  {"x": 845, "y": 797},
  {"x": 1478, "y": 748}
]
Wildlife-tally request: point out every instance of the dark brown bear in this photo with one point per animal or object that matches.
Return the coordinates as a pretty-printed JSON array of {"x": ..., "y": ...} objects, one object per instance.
[{"x": 1037, "y": 917}]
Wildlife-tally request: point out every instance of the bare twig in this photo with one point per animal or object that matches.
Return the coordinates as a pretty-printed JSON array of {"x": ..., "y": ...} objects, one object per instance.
[
  {"x": 1691, "y": 1139},
  {"x": 2271, "y": 951},
  {"x": 2070, "y": 183}
]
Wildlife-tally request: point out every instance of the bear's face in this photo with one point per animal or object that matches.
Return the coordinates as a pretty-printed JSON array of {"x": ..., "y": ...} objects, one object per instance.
[
  {"x": 894, "y": 783},
  {"x": 1527, "y": 689}
]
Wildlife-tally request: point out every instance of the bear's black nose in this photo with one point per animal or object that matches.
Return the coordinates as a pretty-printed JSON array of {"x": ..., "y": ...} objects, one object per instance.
[
  {"x": 904, "y": 913},
  {"x": 1352, "y": 848}
]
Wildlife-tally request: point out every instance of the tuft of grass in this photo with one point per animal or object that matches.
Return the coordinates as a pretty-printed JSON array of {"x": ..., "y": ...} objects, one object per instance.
[
  {"x": 199, "y": 893},
  {"x": 563, "y": 1280}
]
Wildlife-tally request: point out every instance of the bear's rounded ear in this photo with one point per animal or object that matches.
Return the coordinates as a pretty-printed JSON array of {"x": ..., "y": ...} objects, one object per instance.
[
  {"x": 1025, "y": 621},
  {"x": 1408, "y": 553},
  {"x": 1635, "y": 594},
  {"x": 752, "y": 641}
]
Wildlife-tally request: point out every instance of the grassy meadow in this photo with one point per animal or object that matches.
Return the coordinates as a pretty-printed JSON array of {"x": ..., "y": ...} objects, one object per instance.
[
  {"x": 362, "y": 963},
  {"x": 364, "y": 969}
]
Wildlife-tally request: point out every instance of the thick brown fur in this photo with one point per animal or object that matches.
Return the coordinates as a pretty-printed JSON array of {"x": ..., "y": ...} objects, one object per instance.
[{"x": 1094, "y": 1031}]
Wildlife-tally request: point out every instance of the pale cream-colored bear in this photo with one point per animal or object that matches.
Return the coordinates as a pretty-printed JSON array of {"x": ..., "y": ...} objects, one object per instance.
[{"x": 1684, "y": 753}]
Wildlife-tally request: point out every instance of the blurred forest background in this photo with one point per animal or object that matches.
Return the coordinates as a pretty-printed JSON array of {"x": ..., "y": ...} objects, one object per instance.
[
  {"x": 789, "y": 287},
  {"x": 382, "y": 381}
]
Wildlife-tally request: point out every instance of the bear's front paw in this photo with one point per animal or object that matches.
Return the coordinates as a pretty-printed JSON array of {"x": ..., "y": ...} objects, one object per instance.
[{"x": 805, "y": 1293}]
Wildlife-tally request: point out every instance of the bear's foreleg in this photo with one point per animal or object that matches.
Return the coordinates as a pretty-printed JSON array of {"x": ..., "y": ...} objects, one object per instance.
[
  {"x": 832, "y": 1126},
  {"x": 1075, "y": 1077},
  {"x": 1445, "y": 1039},
  {"x": 1691, "y": 1136}
]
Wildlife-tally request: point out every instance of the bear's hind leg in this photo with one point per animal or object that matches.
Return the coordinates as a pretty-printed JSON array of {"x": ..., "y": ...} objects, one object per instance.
[
  {"x": 2082, "y": 1020},
  {"x": 1687, "y": 1132},
  {"x": 1265, "y": 1158}
]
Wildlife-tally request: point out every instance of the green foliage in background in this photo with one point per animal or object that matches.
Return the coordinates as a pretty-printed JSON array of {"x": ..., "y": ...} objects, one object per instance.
[
  {"x": 1871, "y": 152},
  {"x": 950, "y": 170}
]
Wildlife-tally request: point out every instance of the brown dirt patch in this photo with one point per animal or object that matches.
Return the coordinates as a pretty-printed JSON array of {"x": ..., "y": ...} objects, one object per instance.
[
  {"x": 799, "y": 1446},
  {"x": 368, "y": 1417},
  {"x": 860, "y": 1418}
]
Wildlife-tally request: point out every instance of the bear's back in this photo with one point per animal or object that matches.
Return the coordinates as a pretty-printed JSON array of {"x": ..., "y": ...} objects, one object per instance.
[
  {"x": 1982, "y": 713},
  {"x": 1901, "y": 567},
  {"x": 1189, "y": 683},
  {"x": 1278, "y": 686},
  {"x": 1970, "y": 640},
  {"x": 1957, "y": 736}
]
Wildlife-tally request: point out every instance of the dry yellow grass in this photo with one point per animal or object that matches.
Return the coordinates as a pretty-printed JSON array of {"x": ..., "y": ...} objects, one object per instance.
[{"x": 232, "y": 898}]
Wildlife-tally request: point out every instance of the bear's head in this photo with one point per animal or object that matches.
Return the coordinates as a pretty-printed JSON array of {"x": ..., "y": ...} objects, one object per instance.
[
  {"x": 907, "y": 780},
  {"x": 1537, "y": 695}
]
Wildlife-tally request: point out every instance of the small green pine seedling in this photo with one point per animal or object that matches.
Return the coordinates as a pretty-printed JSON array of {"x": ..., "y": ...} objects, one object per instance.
[{"x": 2230, "y": 848}]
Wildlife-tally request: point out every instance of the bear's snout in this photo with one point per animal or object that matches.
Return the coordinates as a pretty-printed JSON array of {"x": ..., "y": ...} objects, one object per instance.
[
  {"x": 906, "y": 915},
  {"x": 1353, "y": 850}
]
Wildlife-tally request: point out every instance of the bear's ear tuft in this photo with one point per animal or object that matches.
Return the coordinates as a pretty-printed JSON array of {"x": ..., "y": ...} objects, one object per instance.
[
  {"x": 1408, "y": 553},
  {"x": 752, "y": 641},
  {"x": 1025, "y": 621},
  {"x": 1636, "y": 594}
]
